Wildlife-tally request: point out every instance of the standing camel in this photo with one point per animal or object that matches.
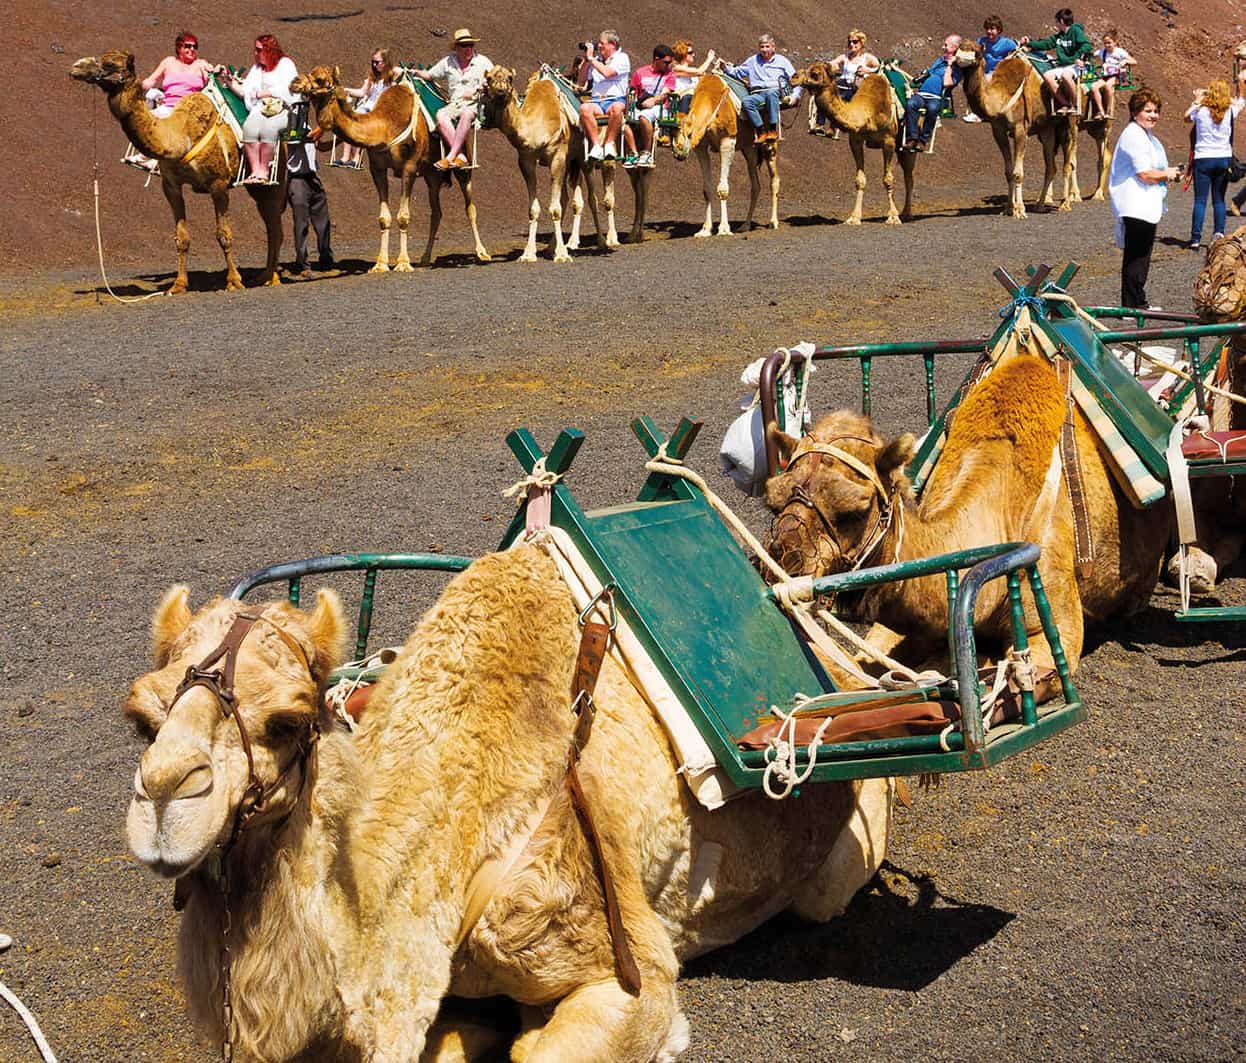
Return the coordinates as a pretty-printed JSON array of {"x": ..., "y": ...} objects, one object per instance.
[
  {"x": 1099, "y": 129},
  {"x": 712, "y": 124},
  {"x": 1013, "y": 101},
  {"x": 396, "y": 136},
  {"x": 871, "y": 119},
  {"x": 543, "y": 134},
  {"x": 194, "y": 148}
]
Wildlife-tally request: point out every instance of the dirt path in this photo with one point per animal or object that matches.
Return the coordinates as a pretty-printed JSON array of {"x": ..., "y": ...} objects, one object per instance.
[{"x": 1082, "y": 901}]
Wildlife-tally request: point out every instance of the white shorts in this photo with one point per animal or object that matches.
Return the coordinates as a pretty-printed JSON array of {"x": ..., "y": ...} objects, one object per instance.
[
  {"x": 1071, "y": 71},
  {"x": 650, "y": 113}
]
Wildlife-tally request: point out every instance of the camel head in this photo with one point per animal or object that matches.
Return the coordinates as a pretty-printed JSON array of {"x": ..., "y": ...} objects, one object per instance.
[
  {"x": 112, "y": 71},
  {"x": 194, "y": 774},
  {"x": 498, "y": 88},
  {"x": 969, "y": 54},
  {"x": 827, "y": 512},
  {"x": 815, "y": 78},
  {"x": 319, "y": 85},
  {"x": 1220, "y": 290}
]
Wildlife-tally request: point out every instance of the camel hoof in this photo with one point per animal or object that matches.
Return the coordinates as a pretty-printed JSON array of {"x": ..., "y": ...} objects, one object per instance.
[
  {"x": 234, "y": 284},
  {"x": 852, "y": 219},
  {"x": 483, "y": 256},
  {"x": 703, "y": 232},
  {"x": 724, "y": 230},
  {"x": 893, "y": 219},
  {"x": 530, "y": 256},
  {"x": 612, "y": 241},
  {"x": 1098, "y": 197},
  {"x": 179, "y": 287},
  {"x": 406, "y": 267},
  {"x": 1067, "y": 205},
  {"x": 561, "y": 257},
  {"x": 273, "y": 282},
  {"x": 380, "y": 267}
]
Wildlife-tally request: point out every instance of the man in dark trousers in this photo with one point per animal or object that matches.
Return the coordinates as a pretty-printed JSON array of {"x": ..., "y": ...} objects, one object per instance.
[{"x": 308, "y": 202}]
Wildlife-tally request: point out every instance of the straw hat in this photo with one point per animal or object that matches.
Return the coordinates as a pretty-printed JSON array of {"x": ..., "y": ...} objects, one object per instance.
[{"x": 465, "y": 37}]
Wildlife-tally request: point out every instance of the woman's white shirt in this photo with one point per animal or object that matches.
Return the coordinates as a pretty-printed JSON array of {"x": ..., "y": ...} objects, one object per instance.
[
  {"x": 275, "y": 82},
  {"x": 1137, "y": 151}
]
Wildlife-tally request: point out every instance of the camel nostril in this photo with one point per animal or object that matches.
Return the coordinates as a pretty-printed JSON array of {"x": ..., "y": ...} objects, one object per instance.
[{"x": 164, "y": 782}]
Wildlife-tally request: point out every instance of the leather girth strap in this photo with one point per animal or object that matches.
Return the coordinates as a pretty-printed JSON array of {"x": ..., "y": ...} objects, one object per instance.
[
  {"x": 1083, "y": 546},
  {"x": 593, "y": 643}
]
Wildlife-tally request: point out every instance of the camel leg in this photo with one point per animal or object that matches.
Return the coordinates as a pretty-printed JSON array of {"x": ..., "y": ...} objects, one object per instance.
[
  {"x": 640, "y": 202},
  {"x": 726, "y": 153},
  {"x": 181, "y": 237},
  {"x": 271, "y": 203},
  {"x": 752, "y": 163},
  {"x": 527, "y": 167},
  {"x": 1048, "y": 140},
  {"x": 908, "y": 162},
  {"x": 469, "y": 204},
  {"x": 601, "y": 1020},
  {"x": 1071, "y": 193},
  {"x": 225, "y": 236},
  {"x": 857, "y": 145},
  {"x": 772, "y": 165},
  {"x": 855, "y": 857},
  {"x": 1011, "y": 146},
  {"x": 433, "y": 180},
  {"x": 1105, "y": 160},
  {"x": 608, "y": 171},
  {"x": 381, "y": 180},
  {"x": 707, "y": 190},
  {"x": 404, "y": 219},
  {"x": 557, "y": 196}
]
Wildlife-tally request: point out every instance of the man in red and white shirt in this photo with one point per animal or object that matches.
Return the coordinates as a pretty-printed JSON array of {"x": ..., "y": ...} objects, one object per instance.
[{"x": 653, "y": 85}]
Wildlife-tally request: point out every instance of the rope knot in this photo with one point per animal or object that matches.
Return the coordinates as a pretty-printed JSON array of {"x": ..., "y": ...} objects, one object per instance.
[{"x": 539, "y": 477}]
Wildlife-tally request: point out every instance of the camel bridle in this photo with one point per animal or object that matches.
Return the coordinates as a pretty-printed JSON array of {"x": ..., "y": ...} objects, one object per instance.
[
  {"x": 219, "y": 682},
  {"x": 800, "y": 496}
]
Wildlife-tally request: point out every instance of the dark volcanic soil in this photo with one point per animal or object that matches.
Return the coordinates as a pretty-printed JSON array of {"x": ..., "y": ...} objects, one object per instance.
[{"x": 1084, "y": 900}]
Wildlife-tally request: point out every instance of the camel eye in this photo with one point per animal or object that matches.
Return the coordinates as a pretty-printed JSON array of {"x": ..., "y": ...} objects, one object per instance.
[{"x": 283, "y": 727}]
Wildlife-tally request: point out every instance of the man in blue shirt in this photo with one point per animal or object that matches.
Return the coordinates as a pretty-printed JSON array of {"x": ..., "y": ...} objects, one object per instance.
[
  {"x": 769, "y": 78},
  {"x": 995, "y": 48},
  {"x": 937, "y": 82}
]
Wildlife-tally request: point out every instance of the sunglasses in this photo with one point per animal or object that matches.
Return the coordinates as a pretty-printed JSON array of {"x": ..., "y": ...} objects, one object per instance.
[{"x": 189, "y": 47}]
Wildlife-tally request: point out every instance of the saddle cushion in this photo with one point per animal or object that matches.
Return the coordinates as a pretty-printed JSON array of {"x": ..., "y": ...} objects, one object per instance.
[{"x": 1214, "y": 446}]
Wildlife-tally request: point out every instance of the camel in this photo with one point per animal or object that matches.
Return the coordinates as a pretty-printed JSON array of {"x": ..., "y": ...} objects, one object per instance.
[
  {"x": 711, "y": 124},
  {"x": 396, "y": 141},
  {"x": 194, "y": 148},
  {"x": 349, "y": 886},
  {"x": 871, "y": 119},
  {"x": 1219, "y": 505},
  {"x": 995, "y": 482},
  {"x": 1013, "y": 101}
]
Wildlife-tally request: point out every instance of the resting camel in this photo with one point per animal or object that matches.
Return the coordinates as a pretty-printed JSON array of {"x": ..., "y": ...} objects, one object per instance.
[
  {"x": 193, "y": 148},
  {"x": 1219, "y": 505},
  {"x": 348, "y": 888},
  {"x": 871, "y": 119},
  {"x": 1013, "y": 101},
  {"x": 993, "y": 484},
  {"x": 711, "y": 124},
  {"x": 408, "y": 156}
]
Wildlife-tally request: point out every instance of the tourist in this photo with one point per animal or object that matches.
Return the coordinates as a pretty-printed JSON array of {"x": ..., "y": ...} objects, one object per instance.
[
  {"x": 266, "y": 92},
  {"x": 1138, "y": 187},
  {"x": 995, "y": 49},
  {"x": 177, "y": 76},
  {"x": 1113, "y": 59},
  {"x": 382, "y": 73},
  {"x": 1212, "y": 114},
  {"x": 463, "y": 74},
  {"x": 931, "y": 89},
  {"x": 685, "y": 72},
  {"x": 769, "y": 79},
  {"x": 652, "y": 85},
  {"x": 605, "y": 71},
  {"x": 1071, "y": 46},
  {"x": 850, "y": 67}
]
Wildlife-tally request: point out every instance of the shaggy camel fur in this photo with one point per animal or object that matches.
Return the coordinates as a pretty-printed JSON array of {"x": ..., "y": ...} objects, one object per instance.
[
  {"x": 870, "y": 119},
  {"x": 987, "y": 488},
  {"x": 1016, "y": 113},
  {"x": 409, "y": 158},
  {"x": 1220, "y": 503},
  {"x": 348, "y": 891},
  {"x": 711, "y": 124},
  {"x": 210, "y": 172},
  {"x": 543, "y": 136}
]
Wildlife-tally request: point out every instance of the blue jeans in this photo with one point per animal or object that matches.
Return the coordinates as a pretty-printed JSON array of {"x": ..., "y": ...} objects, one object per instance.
[
  {"x": 913, "y": 132},
  {"x": 754, "y": 102},
  {"x": 1210, "y": 176}
]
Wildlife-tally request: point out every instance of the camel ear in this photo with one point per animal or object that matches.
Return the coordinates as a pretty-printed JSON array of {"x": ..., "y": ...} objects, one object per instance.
[
  {"x": 337, "y": 74},
  {"x": 786, "y": 444},
  {"x": 327, "y": 627},
  {"x": 129, "y": 64},
  {"x": 895, "y": 455},
  {"x": 171, "y": 619}
]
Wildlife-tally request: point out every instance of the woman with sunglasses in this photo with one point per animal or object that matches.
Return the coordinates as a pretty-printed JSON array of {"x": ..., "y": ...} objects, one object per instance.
[
  {"x": 178, "y": 75},
  {"x": 382, "y": 73},
  {"x": 850, "y": 67}
]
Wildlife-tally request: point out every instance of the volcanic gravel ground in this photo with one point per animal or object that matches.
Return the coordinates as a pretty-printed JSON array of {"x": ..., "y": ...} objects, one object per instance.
[{"x": 1083, "y": 900}]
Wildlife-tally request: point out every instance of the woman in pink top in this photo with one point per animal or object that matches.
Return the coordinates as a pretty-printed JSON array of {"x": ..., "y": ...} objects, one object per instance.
[{"x": 178, "y": 74}]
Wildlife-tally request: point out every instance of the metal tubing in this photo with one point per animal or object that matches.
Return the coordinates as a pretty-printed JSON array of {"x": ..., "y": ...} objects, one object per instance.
[
  {"x": 1129, "y": 312},
  {"x": 1021, "y": 643},
  {"x": 925, "y": 566},
  {"x": 293, "y": 570},
  {"x": 1233, "y": 328}
]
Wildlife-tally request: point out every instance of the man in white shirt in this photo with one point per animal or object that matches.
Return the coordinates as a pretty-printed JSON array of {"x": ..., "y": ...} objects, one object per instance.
[
  {"x": 463, "y": 74},
  {"x": 606, "y": 71}
]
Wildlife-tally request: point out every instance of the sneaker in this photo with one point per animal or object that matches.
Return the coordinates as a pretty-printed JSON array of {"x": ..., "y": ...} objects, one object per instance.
[
  {"x": 629, "y": 161},
  {"x": 1154, "y": 309},
  {"x": 645, "y": 160},
  {"x": 611, "y": 152},
  {"x": 969, "y": 116},
  {"x": 595, "y": 153},
  {"x": 1193, "y": 245},
  {"x": 1216, "y": 236}
]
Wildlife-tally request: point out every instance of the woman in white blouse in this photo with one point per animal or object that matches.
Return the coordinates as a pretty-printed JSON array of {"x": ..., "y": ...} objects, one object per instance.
[
  {"x": 1137, "y": 187},
  {"x": 266, "y": 92}
]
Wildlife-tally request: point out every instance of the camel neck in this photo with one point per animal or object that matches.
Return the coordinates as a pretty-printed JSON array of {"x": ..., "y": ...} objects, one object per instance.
[{"x": 151, "y": 135}]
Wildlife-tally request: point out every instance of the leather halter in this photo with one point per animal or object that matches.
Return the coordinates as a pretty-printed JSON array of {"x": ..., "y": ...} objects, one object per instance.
[
  {"x": 801, "y": 496},
  {"x": 220, "y": 683}
]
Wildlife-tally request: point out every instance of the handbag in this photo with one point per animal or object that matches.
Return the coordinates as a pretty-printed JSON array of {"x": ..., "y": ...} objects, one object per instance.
[{"x": 1237, "y": 168}]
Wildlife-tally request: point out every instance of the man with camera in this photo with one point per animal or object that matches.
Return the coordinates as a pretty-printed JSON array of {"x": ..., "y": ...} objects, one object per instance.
[{"x": 605, "y": 72}]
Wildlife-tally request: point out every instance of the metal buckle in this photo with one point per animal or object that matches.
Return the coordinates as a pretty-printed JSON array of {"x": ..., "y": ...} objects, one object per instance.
[{"x": 606, "y": 594}]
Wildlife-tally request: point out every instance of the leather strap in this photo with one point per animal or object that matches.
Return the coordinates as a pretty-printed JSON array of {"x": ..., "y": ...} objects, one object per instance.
[
  {"x": 593, "y": 642},
  {"x": 1083, "y": 546}
]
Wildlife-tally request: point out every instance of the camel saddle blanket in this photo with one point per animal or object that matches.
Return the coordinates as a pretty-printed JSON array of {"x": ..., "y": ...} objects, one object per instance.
[
  {"x": 738, "y": 90},
  {"x": 229, "y": 105},
  {"x": 568, "y": 98}
]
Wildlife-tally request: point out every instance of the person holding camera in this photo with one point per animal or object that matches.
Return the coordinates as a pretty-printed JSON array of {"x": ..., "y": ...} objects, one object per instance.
[
  {"x": 1212, "y": 114},
  {"x": 1138, "y": 187},
  {"x": 605, "y": 72}
]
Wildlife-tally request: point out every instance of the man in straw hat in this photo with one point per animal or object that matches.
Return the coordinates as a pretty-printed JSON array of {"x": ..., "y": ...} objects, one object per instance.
[{"x": 463, "y": 74}]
